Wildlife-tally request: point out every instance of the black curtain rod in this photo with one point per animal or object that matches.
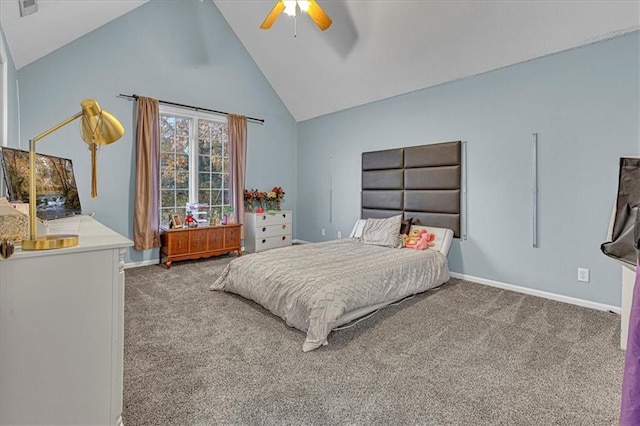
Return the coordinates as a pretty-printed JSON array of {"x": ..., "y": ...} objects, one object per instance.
[{"x": 134, "y": 96}]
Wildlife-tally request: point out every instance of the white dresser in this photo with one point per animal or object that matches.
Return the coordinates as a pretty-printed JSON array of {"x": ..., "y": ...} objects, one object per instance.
[
  {"x": 61, "y": 331},
  {"x": 264, "y": 231}
]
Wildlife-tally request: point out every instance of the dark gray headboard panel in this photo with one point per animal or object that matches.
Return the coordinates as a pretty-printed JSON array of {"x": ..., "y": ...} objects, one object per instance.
[{"x": 422, "y": 182}]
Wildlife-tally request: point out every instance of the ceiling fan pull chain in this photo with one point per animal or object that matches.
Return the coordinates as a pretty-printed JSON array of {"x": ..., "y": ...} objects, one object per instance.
[{"x": 295, "y": 26}]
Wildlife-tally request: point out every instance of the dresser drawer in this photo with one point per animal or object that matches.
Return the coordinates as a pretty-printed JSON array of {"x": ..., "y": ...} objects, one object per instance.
[
  {"x": 198, "y": 240},
  {"x": 272, "y": 242},
  {"x": 215, "y": 238},
  {"x": 272, "y": 230},
  {"x": 177, "y": 242},
  {"x": 232, "y": 236},
  {"x": 272, "y": 219}
]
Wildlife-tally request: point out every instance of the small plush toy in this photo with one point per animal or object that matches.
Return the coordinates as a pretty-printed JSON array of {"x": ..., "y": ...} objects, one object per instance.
[
  {"x": 424, "y": 242},
  {"x": 405, "y": 239},
  {"x": 414, "y": 236}
]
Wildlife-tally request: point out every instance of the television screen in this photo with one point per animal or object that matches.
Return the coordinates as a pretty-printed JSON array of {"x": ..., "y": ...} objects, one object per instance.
[{"x": 56, "y": 191}]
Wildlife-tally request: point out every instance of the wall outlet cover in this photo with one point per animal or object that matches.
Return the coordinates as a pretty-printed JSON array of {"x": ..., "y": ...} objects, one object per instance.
[{"x": 583, "y": 275}]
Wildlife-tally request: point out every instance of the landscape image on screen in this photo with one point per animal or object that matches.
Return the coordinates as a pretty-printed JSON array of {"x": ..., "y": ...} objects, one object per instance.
[{"x": 56, "y": 191}]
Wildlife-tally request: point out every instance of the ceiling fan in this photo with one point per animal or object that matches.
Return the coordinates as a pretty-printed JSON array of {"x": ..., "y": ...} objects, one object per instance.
[{"x": 289, "y": 7}]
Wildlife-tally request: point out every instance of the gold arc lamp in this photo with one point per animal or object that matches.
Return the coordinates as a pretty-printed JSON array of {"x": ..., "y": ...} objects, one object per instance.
[{"x": 98, "y": 127}]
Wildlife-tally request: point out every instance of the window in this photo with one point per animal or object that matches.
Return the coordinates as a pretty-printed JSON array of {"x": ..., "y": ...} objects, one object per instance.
[{"x": 194, "y": 162}]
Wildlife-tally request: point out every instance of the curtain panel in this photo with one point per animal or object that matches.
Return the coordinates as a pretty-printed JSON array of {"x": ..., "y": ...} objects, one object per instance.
[
  {"x": 238, "y": 152},
  {"x": 630, "y": 402},
  {"x": 630, "y": 406},
  {"x": 146, "y": 222}
]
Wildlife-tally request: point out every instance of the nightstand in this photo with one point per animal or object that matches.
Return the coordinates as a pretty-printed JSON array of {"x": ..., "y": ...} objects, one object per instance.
[{"x": 264, "y": 231}]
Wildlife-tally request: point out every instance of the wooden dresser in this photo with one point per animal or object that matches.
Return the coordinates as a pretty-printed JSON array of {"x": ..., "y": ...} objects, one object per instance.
[
  {"x": 61, "y": 333},
  {"x": 264, "y": 231},
  {"x": 200, "y": 242}
]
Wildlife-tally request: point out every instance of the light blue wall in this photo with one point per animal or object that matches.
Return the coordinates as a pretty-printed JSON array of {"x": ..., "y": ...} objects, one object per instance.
[
  {"x": 12, "y": 99},
  {"x": 584, "y": 103},
  {"x": 181, "y": 51}
]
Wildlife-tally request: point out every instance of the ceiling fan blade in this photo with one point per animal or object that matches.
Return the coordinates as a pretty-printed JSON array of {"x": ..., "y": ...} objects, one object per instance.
[
  {"x": 273, "y": 15},
  {"x": 316, "y": 13}
]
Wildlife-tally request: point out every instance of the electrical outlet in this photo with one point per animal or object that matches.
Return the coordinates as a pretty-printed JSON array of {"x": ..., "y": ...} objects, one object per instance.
[
  {"x": 583, "y": 275},
  {"x": 339, "y": 234},
  {"x": 323, "y": 232}
]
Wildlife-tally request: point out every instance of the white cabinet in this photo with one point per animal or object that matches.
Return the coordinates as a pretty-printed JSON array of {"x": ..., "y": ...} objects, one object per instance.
[
  {"x": 264, "y": 231},
  {"x": 61, "y": 331}
]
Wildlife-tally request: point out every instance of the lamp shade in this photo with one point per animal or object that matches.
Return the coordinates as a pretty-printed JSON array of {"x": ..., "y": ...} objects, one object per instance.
[{"x": 98, "y": 126}]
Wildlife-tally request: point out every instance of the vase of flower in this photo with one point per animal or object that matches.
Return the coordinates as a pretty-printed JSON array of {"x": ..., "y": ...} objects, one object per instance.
[
  {"x": 278, "y": 195},
  {"x": 271, "y": 208},
  {"x": 248, "y": 200}
]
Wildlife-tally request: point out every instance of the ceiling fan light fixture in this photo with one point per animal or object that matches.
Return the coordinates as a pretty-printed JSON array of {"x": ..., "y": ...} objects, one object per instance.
[
  {"x": 290, "y": 7},
  {"x": 311, "y": 7},
  {"x": 304, "y": 5}
]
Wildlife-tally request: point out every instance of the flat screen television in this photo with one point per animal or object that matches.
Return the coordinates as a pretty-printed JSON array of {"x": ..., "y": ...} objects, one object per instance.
[{"x": 56, "y": 191}]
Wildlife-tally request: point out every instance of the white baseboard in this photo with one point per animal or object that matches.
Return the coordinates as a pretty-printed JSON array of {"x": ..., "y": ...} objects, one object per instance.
[
  {"x": 139, "y": 264},
  {"x": 540, "y": 293}
]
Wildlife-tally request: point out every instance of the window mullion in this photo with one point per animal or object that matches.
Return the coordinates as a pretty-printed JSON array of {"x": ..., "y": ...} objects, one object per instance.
[{"x": 193, "y": 160}]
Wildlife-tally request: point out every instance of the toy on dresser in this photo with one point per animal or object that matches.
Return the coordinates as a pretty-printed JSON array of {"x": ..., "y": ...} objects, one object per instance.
[{"x": 199, "y": 213}]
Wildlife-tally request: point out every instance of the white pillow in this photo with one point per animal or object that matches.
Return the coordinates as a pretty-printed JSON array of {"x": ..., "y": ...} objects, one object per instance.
[
  {"x": 382, "y": 232},
  {"x": 357, "y": 228}
]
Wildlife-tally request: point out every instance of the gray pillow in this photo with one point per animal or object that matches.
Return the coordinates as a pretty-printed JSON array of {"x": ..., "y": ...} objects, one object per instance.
[{"x": 382, "y": 232}]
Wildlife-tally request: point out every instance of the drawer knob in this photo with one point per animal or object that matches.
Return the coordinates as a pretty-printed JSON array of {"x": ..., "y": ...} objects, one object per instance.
[
  {"x": 284, "y": 215},
  {"x": 264, "y": 229},
  {"x": 264, "y": 241},
  {"x": 264, "y": 218},
  {"x": 284, "y": 238},
  {"x": 284, "y": 226}
]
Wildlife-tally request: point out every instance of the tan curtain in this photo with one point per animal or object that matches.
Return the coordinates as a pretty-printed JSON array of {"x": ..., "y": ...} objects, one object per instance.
[
  {"x": 146, "y": 221},
  {"x": 238, "y": 151}
]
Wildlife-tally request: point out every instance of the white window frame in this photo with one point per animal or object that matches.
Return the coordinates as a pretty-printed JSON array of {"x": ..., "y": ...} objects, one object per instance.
[
  {"x": 193, "y": 145},
  {"x": 4, "y": 95},
  {"x": 4, "y": 102}
]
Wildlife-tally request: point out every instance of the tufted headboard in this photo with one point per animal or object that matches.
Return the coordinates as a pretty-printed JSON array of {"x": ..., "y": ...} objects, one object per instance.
[{"x": 422, "y": 182}]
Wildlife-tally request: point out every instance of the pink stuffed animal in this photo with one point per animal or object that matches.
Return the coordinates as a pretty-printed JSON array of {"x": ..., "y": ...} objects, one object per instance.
[{"x": 425, "y": 241}]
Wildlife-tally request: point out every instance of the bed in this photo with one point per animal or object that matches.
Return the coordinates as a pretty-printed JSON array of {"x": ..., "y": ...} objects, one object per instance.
[{"x": 318, "y": 287}]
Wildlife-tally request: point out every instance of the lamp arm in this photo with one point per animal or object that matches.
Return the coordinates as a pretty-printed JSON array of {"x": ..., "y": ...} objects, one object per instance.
[
  {"x": 57, "y": 127},
  {"x": 32, "y": 172}
]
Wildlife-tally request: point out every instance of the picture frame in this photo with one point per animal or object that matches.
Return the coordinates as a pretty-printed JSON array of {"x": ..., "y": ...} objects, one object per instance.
[{"x": 176, "y": 221}]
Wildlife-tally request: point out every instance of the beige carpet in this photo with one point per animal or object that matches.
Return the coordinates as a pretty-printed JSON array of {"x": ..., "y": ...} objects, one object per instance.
[{"x": 465, "y": 354}]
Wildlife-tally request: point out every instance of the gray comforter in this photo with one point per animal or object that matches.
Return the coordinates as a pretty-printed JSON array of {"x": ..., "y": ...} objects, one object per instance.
[{"x": 310, "y": 286}]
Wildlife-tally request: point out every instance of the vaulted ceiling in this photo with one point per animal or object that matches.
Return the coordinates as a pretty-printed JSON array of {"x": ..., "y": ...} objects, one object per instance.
[{"x": 373, "y": 50}]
